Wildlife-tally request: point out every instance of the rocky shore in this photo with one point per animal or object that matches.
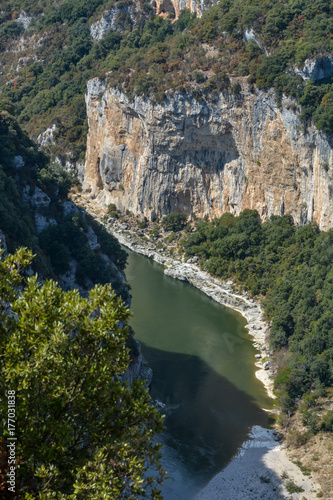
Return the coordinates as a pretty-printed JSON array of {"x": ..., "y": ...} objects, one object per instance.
[
  {"x": 261, "y": 470},
  {"x": 221, "y": 292}
]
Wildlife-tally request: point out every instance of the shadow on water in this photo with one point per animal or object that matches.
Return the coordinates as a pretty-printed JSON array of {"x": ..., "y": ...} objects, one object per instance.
[
  {"x": 208, "y": 418},
  {"x": 203, "y": 364}
]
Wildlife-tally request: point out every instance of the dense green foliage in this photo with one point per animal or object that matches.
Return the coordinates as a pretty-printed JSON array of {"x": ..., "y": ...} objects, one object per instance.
[
  {"x": 174, "y": 222},
  {"x": 50, "y": 90},
  {"x": 292, "y": 267},
  {"x": 66, "y": 239},
  {"x": 81, "y": 431},
  {"x": 157, "y": 55}
]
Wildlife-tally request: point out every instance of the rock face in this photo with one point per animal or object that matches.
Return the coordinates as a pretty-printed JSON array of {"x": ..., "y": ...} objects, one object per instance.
[
  {"x": 24, "y": 19},
  {"x": 47, "y": 138},
  {"x": 250, "y": 34},
  {"x": 39, "y": 202},
  {"x": 316, "y": 69},
  {"x": 138, "y": 368},
  {"x": 122, "y": 16},
  {"x": 172, "y": 8},
  {"x": 201, "y": 157}
]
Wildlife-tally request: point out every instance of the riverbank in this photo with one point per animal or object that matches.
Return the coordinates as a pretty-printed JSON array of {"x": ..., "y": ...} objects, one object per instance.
[
  {"x": 261, "y": 470},
  {"x": 245, "y": 476},
  {"x": 219, "y": 291}
]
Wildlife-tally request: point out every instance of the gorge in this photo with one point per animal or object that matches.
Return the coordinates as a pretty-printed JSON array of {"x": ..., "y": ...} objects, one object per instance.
[{"x": 124, "y": 117}]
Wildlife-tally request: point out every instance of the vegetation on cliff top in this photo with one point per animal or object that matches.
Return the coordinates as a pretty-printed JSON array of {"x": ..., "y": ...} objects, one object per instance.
[
  {"x": 292, "y": 267},
  {"x": 45, "y": 75}
]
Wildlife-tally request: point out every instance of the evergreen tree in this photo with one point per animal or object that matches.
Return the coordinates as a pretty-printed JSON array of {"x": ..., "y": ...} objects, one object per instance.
[{"x": 82, "y": 432}]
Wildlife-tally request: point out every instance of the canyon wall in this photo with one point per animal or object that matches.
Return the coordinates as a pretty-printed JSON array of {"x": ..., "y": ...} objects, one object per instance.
[
  {"x": 172, "y": 8},
  {"x": 205, "y": 158}
]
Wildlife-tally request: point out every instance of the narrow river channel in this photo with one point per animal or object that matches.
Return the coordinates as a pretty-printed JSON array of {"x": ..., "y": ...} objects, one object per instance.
[{"x": 203, "y": 364}]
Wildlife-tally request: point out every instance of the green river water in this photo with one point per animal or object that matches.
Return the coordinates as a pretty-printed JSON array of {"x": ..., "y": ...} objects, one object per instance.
[{"x": 203, "y": 364}]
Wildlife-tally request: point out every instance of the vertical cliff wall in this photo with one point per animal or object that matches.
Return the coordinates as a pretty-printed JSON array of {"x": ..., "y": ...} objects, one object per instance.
[
  {"x": 172, "y": 8},
  {"x": 206, "y": 157}
]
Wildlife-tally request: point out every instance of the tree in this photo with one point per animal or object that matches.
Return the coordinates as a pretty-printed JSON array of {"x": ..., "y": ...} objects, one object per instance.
[
  {"x": 174, "y": 221},
  {"x": 82, "y": 432}
]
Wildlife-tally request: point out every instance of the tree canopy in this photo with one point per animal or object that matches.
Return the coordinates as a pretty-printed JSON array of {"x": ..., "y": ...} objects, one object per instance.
[{"x": 82, "y": 432}]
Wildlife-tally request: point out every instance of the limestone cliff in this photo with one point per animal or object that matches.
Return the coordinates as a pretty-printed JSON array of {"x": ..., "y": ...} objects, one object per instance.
[
  {"x": 172, "y": 8},
  {"x": 205, "y": 158}
]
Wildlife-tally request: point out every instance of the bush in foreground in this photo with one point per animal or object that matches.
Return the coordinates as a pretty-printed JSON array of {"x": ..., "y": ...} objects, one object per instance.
[{"x": 81, "y": 431}]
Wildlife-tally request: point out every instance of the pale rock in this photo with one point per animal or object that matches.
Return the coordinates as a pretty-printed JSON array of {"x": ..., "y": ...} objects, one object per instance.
[
  {"x": 138, "y": 369},
  {"x": 24, "y": 19},
  {"x": 69, "y": 207},
  {"x": 120, "y": 17},
  {"x": 249, "y": 35},
  {"x": 68, "y": 279},
  {"x": 43, "y": 222},
  {"x": 172, "y": 8},
  {"x": 46, "y": 138},
  {"x": 39, "y": 199},
  {"x": 318, "y": 68},
  {"x": 206, "y": 159},
  {"x": 92, "y": 239},
  {"x": 3, "y": 244},
  {"x": 71, "y": 166},
  {"x": 175, "y": 273},
  {"x": 35, "y": 197}
]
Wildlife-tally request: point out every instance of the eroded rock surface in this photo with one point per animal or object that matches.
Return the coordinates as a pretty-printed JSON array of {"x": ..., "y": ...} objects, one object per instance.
[
  {"x": 316, "y": 69},
  {"x": 206, "y": 158},
  {"x": 172, "y": 8}
]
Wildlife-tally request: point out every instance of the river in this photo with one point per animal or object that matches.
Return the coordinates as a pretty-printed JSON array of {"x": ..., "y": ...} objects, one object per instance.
[{"x": 203, "y": 363}]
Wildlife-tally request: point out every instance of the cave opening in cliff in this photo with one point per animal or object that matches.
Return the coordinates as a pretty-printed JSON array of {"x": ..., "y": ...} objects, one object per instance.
[{"x": 165, "y": 8}]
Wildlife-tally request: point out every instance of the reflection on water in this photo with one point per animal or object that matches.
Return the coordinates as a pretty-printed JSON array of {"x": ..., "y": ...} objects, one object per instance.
[{"x": 202, "y": 359}]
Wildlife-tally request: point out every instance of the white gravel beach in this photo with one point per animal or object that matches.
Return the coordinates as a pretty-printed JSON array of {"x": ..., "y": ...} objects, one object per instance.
[{"x": 261, "y": 470}]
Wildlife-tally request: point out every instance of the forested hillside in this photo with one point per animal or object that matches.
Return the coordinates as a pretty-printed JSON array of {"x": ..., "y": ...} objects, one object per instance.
[
  {"x": 35, "y": 212},
  {"x": 46, "y": 64}
]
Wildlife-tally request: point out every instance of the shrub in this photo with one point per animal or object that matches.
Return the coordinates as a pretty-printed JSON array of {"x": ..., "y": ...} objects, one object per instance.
[
  {"x": 174, "y": 222},
  {"x": 297, "y": 439},
  {"x": 155, "y": 232},
  {"x": 327, "y": 422},
  {"x": 292, "y": 487},
  {"x": 112, "y": 208},
  {"x": 236, "y": 88},
  {"x": 142, "y": 224}
]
